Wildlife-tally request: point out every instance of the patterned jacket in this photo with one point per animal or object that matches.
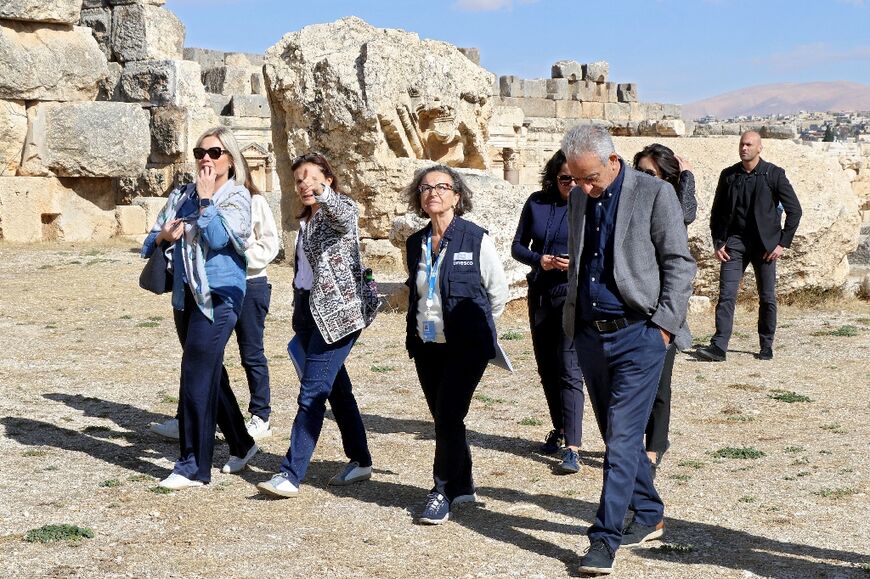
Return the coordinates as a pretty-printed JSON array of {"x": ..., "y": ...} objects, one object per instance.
[{"x": 330, "y": 241}]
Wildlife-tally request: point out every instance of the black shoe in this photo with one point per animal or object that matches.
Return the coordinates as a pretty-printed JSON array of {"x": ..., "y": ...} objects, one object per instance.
[
  {"x": 598, "y": 559},
  {"x": 634, "y": 534},
  {"x": 711, "y": 353},
  {"x": 766, "y": 354},
  {"x": 554, "y": 441}
]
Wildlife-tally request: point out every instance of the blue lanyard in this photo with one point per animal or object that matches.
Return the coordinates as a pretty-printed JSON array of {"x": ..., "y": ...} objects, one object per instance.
[{"x": 432, "y": 272}]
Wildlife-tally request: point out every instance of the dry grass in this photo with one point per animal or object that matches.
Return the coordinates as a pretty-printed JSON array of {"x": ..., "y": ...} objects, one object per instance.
[{"x": 87, "y": 361}]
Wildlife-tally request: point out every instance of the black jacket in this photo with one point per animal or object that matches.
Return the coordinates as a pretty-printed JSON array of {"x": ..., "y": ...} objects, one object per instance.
[{"x": 771, "y": 189}]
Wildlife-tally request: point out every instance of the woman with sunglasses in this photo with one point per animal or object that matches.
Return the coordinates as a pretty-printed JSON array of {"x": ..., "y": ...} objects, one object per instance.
[
  {"x": 330, "y": 309},
  {"x": 541, "y": 242},
  {"x": 660, "y": 161},
  {"x": 457, "y": 289},
  {"x": 207, "y": 225}
]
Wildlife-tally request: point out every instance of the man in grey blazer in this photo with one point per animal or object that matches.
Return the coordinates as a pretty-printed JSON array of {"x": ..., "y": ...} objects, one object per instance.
[{"x": 629, "y": 283}]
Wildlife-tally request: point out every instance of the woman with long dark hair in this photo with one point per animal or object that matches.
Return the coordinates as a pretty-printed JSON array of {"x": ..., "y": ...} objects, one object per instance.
[{"x": 330, "y": 309}]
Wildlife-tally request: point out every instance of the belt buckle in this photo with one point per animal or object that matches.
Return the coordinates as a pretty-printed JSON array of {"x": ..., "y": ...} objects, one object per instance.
[{"x": 600, "y": 325}]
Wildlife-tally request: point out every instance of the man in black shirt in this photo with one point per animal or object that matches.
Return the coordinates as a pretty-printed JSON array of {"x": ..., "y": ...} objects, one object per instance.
[{"x": 746, "y": 225}]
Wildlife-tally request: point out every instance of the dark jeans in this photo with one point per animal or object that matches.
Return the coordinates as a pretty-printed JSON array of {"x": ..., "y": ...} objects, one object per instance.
[
  {"x": 324, "y": 378},
  {"x": 249, "y": 335},
  {"x": 205, "y": 397},
  {"x": 622, "y": 371},
  {"x": 449, "y": 376},
  {"x": 743, "y": 252},
  {"x": 558, "y": 366},
  {"x": 660, "y": 419}
]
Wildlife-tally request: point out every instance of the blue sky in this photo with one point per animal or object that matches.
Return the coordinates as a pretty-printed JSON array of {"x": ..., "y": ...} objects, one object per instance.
[{"x": 677, "y": 51}]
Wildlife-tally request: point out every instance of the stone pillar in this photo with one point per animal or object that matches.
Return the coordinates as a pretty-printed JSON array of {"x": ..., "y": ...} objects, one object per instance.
[{"x": 511, "y": 160}]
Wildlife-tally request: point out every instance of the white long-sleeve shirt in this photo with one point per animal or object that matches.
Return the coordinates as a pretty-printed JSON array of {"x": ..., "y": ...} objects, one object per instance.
[
  {"x": 492, "y": 277},
  {"x": 263, "y": 244}
]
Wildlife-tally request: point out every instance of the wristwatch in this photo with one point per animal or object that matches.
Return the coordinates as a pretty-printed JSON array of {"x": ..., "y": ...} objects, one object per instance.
[{"x": 204, "y": 202}]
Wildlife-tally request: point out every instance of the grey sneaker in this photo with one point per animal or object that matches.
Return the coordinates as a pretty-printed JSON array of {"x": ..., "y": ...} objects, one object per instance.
[
  {"x": 168, "y": 429},
  {"x": 436, "y": 511},
  {"x": 258, "y": 428},
  {"x": 278, "y": 486},
  {"x": 236, "y": 464},
  {"x": 463, "y": 499},
  {"x": 351, "y": 473}
]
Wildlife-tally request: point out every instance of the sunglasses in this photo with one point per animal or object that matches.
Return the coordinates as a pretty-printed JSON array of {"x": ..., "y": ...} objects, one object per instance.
[
  {"x": 213, "y": 152},
  {"x": 567, "y": 179}
]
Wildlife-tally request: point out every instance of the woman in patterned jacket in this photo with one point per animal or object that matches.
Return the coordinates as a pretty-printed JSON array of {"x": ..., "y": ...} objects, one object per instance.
[{"x": 330, "y": 309}]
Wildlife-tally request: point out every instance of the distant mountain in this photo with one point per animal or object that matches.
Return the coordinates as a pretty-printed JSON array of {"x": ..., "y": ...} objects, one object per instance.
[{"x": 786, "y": 98}]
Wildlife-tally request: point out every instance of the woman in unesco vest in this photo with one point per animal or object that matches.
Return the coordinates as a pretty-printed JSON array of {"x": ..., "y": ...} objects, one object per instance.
[
  {"x": 457, "y": 287},
  {"x": 207, "y": 225},
  {"x": 331, "y": 306}
]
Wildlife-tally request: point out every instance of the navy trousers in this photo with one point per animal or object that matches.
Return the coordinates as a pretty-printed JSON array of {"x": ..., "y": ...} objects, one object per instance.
[
  {"x": 324, "y": 378},
  {"x": 206, "y": 398},
  {"x": 557, "y": 365},
  {"x": 622, "y": 371},
  {"x": 745, "y": 251},
  {"x": 249, "y": 335},
  {"x": 449, "y": 376}
]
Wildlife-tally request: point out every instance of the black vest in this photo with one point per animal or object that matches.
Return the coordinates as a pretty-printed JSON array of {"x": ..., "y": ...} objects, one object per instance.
[{"x": 467, "y": 312}]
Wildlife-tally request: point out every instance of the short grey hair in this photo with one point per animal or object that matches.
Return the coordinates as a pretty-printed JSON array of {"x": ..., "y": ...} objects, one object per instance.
[
  {"x": 582, "y": 139},
  {"x": 225, "y": 136}
]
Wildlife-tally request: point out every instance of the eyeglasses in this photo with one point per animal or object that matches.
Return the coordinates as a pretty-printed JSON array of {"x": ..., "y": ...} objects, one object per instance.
[
  {"x": 213, "y": 152},
  {"x": 438, "y": 188},
  {"x": 567, "y": 179}
]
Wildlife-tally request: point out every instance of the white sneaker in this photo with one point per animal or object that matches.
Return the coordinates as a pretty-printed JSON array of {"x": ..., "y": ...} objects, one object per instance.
[
  {"x": 236, "y": 464},
  {"x": 350, "y": 474},
  {"x": 176, "y": 482},
  {"x": 278, "y": 486},
  {"x": 472, "y": 498},
  {"x": 258, "y": 428},
  {"x": 168, "y": 429}
]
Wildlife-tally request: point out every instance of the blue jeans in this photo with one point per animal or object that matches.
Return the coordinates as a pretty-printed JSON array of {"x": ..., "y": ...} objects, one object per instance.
[
  {"x": 622, "y": 371},
  {"x": 324, "y": 378},
  {"x": 206, "y": 398},
  {"x": 249, "y": 335}
]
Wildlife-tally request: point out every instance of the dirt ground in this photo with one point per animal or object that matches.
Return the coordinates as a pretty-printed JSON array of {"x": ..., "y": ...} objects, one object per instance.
[{"x": 88, "y": 361}]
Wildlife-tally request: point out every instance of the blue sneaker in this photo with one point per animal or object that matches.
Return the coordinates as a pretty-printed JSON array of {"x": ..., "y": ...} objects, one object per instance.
[
  {"x": 570, "y": 462},
  {"x": 598, "y": 560},
  {"x": 436, "y": 511}
]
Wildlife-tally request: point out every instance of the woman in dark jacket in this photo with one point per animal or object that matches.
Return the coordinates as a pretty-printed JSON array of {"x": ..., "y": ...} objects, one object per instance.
[
  {"x": 660, "y": 161},
  {"x": 457, "y": 289},
  {"x": 541, "y": 242}
]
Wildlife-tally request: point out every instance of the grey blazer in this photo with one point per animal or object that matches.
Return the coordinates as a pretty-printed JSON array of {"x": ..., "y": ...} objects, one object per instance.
[{"x": 653, "y": 268}]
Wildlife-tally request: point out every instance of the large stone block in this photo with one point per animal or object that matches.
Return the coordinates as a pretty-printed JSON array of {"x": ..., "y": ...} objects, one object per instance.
[
  {"x": 537, "y": 107},
  {"x": 109, "y": 87},
  {"x": 593, "y": 110},
  {"x": 535, "y": 88},
  {"x": 151, "y": 183},
  {"x": 151, "y": 206},
  {"x": 472, "y": 54},
  {"x": 163, "y": 83},
  {"x": 220, "y": 103},
  {"x": 206, "y": 57},
  {"x": 617, "y": 112},
  {"x": 146, "y": 32},
  {"x": 50, "y": 209},
  {"x": 131, "y": 219},
  {"x": 257, "y": 86},
  {"x": 49, "y": 62},
  {"x": 610, "y": 92},
  {"x": 626, "y": 92},
  {"x": 783, "y": 131},
  {"x": 569, "y": 110},
  {"x": 99, "y": 20},
  {"x": 510, "y": 86},
  {"x": 13, "y": 131},
  {"x": 558, "y": 89},
  {"x": 227, "y": 80},
  {"x": 570, "y": 69},
  {"x": 587, "y": 91},
  {"x": 672, "y": 111},
  {"x": 56, "y": 11},
  {"x": 89, "y": 139},
  {"x": 596, "y": 71},
  {"x": 637, "y": 112},
  {"x": 250, "y": 106},
  {"x": 168, "y": 134}
]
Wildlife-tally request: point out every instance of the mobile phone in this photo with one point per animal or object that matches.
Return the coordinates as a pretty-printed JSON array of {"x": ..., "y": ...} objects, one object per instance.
[
  {"x": 189, "y": 218},
  {"x": 563, "y": 255}
]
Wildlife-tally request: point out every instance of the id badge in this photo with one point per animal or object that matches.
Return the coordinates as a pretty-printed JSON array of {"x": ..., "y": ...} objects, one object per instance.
[{"x": 428, "y": 331}]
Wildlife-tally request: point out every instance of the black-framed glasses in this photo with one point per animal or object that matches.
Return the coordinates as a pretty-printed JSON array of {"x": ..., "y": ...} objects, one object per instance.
[
  {"x": 567, "y": 180},
  {"x": 213, "y": 152},
  {"x": 438, "y": 188}
]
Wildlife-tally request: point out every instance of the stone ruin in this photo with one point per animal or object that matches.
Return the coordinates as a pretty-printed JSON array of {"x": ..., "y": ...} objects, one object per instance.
[
  {"x": 100, "y": 104},
  {"x": 99, "y": 111}
]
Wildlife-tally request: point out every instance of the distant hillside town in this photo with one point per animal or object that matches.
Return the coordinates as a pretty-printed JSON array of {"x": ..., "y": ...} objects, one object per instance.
[{"x": 842, "y": 127}]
